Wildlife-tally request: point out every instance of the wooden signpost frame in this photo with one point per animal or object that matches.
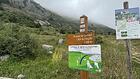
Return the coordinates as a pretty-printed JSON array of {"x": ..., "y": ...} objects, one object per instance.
[
  {"x": 84, "y": 74},
  {"x": 128, "y": 47},
  {"x": 83, "y": 38}
]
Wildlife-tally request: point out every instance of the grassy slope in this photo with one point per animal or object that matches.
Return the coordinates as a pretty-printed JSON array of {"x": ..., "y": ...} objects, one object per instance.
[
  {"x": 44, "y": 66},
  {"x": 55, "y": 66},
  {"x": 113, "y": 58}
]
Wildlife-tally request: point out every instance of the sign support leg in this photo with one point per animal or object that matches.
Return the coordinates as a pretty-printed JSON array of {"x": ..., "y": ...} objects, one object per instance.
[{"x": 129, "y": 62}]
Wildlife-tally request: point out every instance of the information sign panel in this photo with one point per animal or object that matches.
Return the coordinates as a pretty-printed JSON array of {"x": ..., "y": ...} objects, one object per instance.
[
  {"x": 85, "y": 57},
  {"x": 127, "y": 23}
]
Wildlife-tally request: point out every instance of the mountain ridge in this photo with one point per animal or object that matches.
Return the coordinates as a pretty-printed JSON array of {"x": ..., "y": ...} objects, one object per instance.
[{"x": 43, "y": 16}]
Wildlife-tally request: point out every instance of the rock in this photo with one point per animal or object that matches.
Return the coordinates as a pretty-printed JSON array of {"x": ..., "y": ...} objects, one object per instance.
[
  {"x": 20, "y": 3},
  {"x": 5, "y": 78},
  {"x": 21, "y": 76},
  {"x": 47, "y": 47},
  {"x": 50, "y": 52},
  {"x": 4, "y": 58},
  {"x": 42, "y": 22},
  {"x": 61, "y": 41}
]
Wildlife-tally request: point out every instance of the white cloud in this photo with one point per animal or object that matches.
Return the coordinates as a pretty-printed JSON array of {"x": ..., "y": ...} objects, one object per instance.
[{"x": 97, "y": 10}]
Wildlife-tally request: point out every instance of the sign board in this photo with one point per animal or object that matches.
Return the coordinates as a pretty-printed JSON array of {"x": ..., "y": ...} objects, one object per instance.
[
  {"x": 81, "y": 39},
  {"x": 85, "y": 57},
  {"x": 82, "y": 20},
  {"x": 127, "y": 23},
  {"x": 83, "y": 24}
]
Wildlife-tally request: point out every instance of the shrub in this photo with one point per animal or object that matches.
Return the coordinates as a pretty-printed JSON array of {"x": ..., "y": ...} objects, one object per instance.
[
  {"x": 6, "y": 44},
  {"x": 17, "y": 43},
  {"x": 23, "y": 47},
  {"x": 99, "y": 40}
]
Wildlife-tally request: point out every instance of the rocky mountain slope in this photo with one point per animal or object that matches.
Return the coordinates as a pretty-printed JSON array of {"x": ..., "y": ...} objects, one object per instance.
[
  {"x": 25, "y": 6},
  {"x": 38, "y": 14}
]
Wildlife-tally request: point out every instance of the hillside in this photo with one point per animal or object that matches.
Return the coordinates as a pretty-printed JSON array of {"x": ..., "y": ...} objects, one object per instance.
[
  {"x": 40, "y": 15},
  {"x": 102, "y": 29},
  {"x": 33, "y": 44}
]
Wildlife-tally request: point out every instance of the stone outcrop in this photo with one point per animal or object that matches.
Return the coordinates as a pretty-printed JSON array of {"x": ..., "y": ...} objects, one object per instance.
[
  {"x": 29, "y": 7},
  {"x": 20, "y": 3}
]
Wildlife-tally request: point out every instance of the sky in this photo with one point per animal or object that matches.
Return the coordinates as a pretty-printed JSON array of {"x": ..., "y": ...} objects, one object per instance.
[{"x": 98, "y": 11}]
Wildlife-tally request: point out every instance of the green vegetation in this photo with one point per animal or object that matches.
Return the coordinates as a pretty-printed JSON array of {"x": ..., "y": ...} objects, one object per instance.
[
  {"x": 16, "y": 41},
  {"x": 24, "y": 43},
  {"x": 55, "y": 66},
  {"x": 20, "y": 18},
  {"x": 22, "y": 39}
]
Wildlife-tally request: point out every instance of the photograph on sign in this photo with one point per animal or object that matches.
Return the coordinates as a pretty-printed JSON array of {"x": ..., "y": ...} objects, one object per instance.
[
  {"x": 127, "y": 23},
  {"x": 85, "y": 57}
]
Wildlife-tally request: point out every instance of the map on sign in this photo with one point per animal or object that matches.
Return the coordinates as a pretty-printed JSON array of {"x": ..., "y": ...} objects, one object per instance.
[
  {"x": 85, "y": 57},
  {"x": 127, "y": 23}
]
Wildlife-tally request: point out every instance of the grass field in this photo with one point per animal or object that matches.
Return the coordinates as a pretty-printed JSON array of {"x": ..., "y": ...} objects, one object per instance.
[{"x": 55, "y": 66}]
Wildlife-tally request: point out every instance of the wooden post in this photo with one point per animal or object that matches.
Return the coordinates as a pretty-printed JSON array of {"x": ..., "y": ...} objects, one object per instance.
[
  {"x": 129, "y": 62},
  {"x": 128, "y": 46},
  {"x": 83, "y": 38},
  {"x": 84, "y": 75},
  {"x": 84, "y": 29},
  {"x": 125, "y": 5},
  {"x": 83, "y": 24}
]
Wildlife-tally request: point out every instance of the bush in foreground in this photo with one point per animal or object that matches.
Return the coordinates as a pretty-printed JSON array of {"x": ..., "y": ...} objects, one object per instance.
[{"x": 16, "y": 43}]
